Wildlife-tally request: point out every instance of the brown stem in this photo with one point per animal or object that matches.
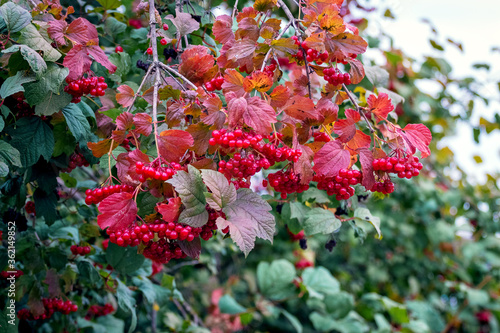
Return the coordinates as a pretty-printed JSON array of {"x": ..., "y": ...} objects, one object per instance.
[
  {"x": 270, "y": 49},
  {"x": 358, "y": 108},
  {"x": 150, "y": 68}
]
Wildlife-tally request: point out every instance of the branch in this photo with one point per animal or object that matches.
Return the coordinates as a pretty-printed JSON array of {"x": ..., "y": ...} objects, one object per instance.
[
  {"x": 173, "y": 71},
  {"x": 157, "y": 83},
  {"x": 150, "y": 68},
  {"x": 289, "y": 14},
  {"x": 270, "y": 49},
  {"x": 234, "y": 10},
  {"x": 358, "y": 108}
]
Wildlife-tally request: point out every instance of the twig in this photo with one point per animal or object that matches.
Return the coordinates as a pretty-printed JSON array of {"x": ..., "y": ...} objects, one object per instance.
[
  {"x": 289, "y": 14},
  {"x": 140, "y": 86},
  {"x": 170, "y": 69},
  {"x": 358, "y": 108},
  {"x": 153, "y": 319},
  {"x": 234, "y": 10},
  {"x": 181, "y": 309},
  {"x": 157, "y": 83},
  {"x": 269, "y": 52},
  {"x": 306, "y": 63},
  {"x": 177, "y": 81},
  {"x": 197, "y": 319}
]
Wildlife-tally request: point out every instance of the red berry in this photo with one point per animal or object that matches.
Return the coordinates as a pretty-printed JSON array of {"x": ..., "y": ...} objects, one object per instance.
[
  {"x": 149, "y": 51},
  {"x": 118, "y": 49}
]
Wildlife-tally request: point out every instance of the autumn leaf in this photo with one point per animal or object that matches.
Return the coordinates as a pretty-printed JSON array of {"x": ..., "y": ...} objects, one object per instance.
[
  {"x": 170, "y": 212},
  {"x": 366, "y": 160},
  {"x": 241, "y": 49},
  {"x": 331, "y": 21},
  {"x": 418, "y": 136},
  {"x": 125, "y": 166},
  {"x": 301, "y": 108},
  {"x": 192, "y": 249},
  {"x": 215, "y": 116},
  {"x": 303, "y": 167},
  {"x": 284, "y": 46},
  {"x": 79, "y": 59},
  {"x": 143, "y": 122},
  {"x": 235, "y": 109},
  {"x": 125, "y": 121},
  {"x": 80, "y": 31},
  {"x": 195, "y": 62},
  {"x": 331, "y": 158},
  {"x": 184, "y": 22},
  {"x": 102, "y": 147},
  {"x": 246, "y": 12},
  {"x": 345, "y": 129},
  {"x": 359, "y": 140},
  {"x": 201, "y": 133},
  {"x": 279, "y": 96},
  {"x": 125, "y": 97},
  {"x": 248, "y": 217},
  {"x": 259, "y": 115},
  {"x": 222, "y": 29},
  {"x": 264, "y": 5},
  {"x": 117, "y": 211},
  {"x": 346, "y": 43},
  {"x": 247, "y": 29},
  {"x": 259, "y": 81},
  {"x": 173, "y": 144},
  {"x": 233, "y": 81},
  {"x": 189, "y": 185},
  {"x": 357, "y": 71},
  {"x": 222, "y": 192},
  {"x": 380, "y": 106}
]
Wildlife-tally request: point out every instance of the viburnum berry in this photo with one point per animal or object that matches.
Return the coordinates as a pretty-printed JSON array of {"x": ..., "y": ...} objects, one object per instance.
[
  {"x": 165, "y": 26},
  {"x": 340, "y": 185},
  {"x": 321, "y": 137},
  {"x": 94, "y": 86},
  {"x": 80, "y": 250},
  {"x": 286, "y": 182},
  {"x": 158, "y": 173},
  {"x": 404, "y": 167},
  {"x": 51, "y": 305},
  {"x": 303, "y": 263},
  {"x": 96, "y": 311},
  {"x": 163, "y": 41},
  {"x": 214, "y": 84},
  {"x": 30, "y": 207},
  {"x": 385, "y": 187},
  {"x": 98, "y": 194},
  {"x": 149, "y": 51},
  {"x": 118, "y": 49},
  {"x": 336, "y": 78},
  {"x": 76, "y": 160}
]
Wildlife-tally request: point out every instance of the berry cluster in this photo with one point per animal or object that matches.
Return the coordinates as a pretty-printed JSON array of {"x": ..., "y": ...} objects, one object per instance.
[
  {"x": 99, "y": 311},
  {"x": 296, "y": 237},
  {"x": 214, "y": 84},
  {"x": 343, "y": 60},
  {"x": 334, "y": 77},
  {"x": 405, "y": 167},
  {"x": 163, "y": 251},
  {"x": 84, "y": 86},
  {"x": 169, "y": 53},
  {"x": 269, "y": 70},
  {"x": 321, "y": 137},
  {"x": 51, "y": 306},
  {"x": 80, "y": 250},
  {"x": 24, "y": 108},
  {"x": 310, "y": 54},
  {"x": 287, "y": 182},
  {"x": 235, "y": 139},
  {"x": 76, "y": 160},
  {"x": 303, "y": 263},
  {"x": 30, "y": 207},
  {"x": 6, "y": 274},
  {"x": 385, "y": 187},
  {"x": 159, "y": 173},
  {"x": 340, "y": 185},
  {"x": 99, "y": 194},
  {"x": 144, "y": 65}
]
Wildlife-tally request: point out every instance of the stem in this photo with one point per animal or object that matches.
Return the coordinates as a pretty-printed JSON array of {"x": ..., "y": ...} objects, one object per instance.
[
  {"x": 234, "y": 10},
  {"x": 358, "y": 108},
  {"x": 269, "y": 52},
  {"x": 157, "y": 83},
  {"x": 150, "y": 68},
  {"x": 289, "y": 14},
  {"x": 173, "y": 71}
]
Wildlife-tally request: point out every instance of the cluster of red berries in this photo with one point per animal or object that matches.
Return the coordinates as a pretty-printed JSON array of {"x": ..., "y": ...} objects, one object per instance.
[
  {"x": 131, "y": 236},
  {"x": 84, "y": 86},
  {"x": 163, "y": 251},
  {"x": 16, "y": 274},
  {"x": 80, "y": 250},
  {"x": 25, "y": 110},
  {"x": 335, "y": 77},
  {"x": 159, "y": 173},
  {"x": 310, "y": 54},
  {"x": 303, "y": 263},
  {"x": 234, "y": 139},
  {"x": 321, "y": 137},
  {"x": 30, "y": 207},
  {"x": 340, "y": 185},
  {"x": 405, "y": 167},
  {"x": 51, "y": 306},
  {"x": 296, "y": 237},
  {"x": 286, "y": 182},
  {"x": 214, "y": 84},
  {"x": 239, "y": 167},
  {"x": 344, "y": 60},
  {"x": 99, "y": 311},
  {"x": 76, "y": 160},
  {"x": 385, "y": 187},
  {"x": 269, "y": 69},
  {"x": 99, "y": 194}
]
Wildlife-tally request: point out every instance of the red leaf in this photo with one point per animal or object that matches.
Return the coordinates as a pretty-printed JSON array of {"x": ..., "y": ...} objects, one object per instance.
[
  {"x": 81, "y": 31},
  {"x": 233, "y": 81},
  {"x": 118, "y": 211},
  {"x": 170, "y": 212},
  {"x": 201, "y": 134},
  {"x": 241, "y": 49},
  {"x": 195, "y": 62},
  {"x": 125, "y": 166},
  {"x": 366, "y": 160},
  {"x": 98, "y": 54},
  {"x": 125, "y": 121},
  {"x": 301, "y": 108},
  {"x": 102, "y": 147},
  {"x": 259, "y": 115},
  {"x": 328, "y": 110},
  {"x": 303, "y": 167},
  {"x": 173, "y": 144},
  {"x": 353, "y": 115},
  {"x": 222, "y": 29},
  {"x": 279, "y": 96},
  {"x": 345, "y": 128},
  {"x": 192, "y": 249},
  {"x": 357, "y": 71},
  {"x": 118, "y": 136},
  {"x": 380, "y": 106},
  {"x": 125, "y": 97},
  {"x": 360, "y": 140},
  {"x": 142, "y": 122},
  {"x": 78, "y": 60},
  {"x": 346, "y": 43},
  {"x": 331, "y": 158},
  {"x": 419, "y": 136},
  {"x": 215, "y": 116},
  {"x": 56, "y": 31},
  {"x": 235, "y": 109}
]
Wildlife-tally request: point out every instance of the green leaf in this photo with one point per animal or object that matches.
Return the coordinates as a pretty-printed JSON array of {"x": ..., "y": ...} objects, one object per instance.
[
  {"x": 427, "y": 313},
  {"x": 68, "y": 180},
  {"x": 319, "y": 282},
  {"x": 275, "y": 279},
  {"x": 110, "y": 4},
  {"x": 32, "y": 138},
  {"x": 52, "y": 103},
  {"x": 192, "y": 193},
  {"x": 14, "y": 16},
  {"x": 377, "y": 76},
  {"x": 127, "y": 303},
  {"x": 228, "y": 304},
  {"x": 397, "y": 311},
  {"x": 339, "y": 304},
  {"x": 4, "y": 169},
  {"x": 65, "y": 142},
  {"x": 14, "y": 83},
  {"x": 112, "y": 113},
  {"x": 320, "y": 220},
  {"x": 89, "y": 230},
  {"x": 122, "y": 62},
  {"x": 315, "y": 194},
  {"x": 351, "y": 324},
  {"x": 45, "y": 205},
  {"x": 103, "y": 161},
  {"x": 32, "y": 38},
  {"x": 114, "y": 27},
  {"x": 293, "y": 320},
  {"x": 477, "y": 297},
  {"x": 125, "y": 260},
  {"x": 140, "y": 34},
  {"x": 9, "y": 154},
  {"x": 53, "y": 77},
  {"x": 222, "y": 191},
  {"x": 148, "y": 204},
  {"x": 35, "y": 61},
  {"x": 77, "y": 123},
  {"x": 2, "y": 124},
  {"x": 87, "y": 271},
  {"x": 363, "y": 214}
]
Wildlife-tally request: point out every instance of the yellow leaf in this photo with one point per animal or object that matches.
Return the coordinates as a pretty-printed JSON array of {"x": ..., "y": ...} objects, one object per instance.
[
  {"x": 259, "y": 81},
  {"x": 478, "y": 159},
  {"x": 264, "y": 5},
  {"x": 331, "y": 21}
]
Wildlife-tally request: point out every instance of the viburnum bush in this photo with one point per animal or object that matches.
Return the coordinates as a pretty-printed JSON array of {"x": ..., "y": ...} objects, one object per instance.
[{"x": 137, "y": 138}]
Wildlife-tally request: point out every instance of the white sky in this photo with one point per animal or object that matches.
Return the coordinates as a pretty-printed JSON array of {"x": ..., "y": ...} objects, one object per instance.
[{"x": 476, "y": 26}]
